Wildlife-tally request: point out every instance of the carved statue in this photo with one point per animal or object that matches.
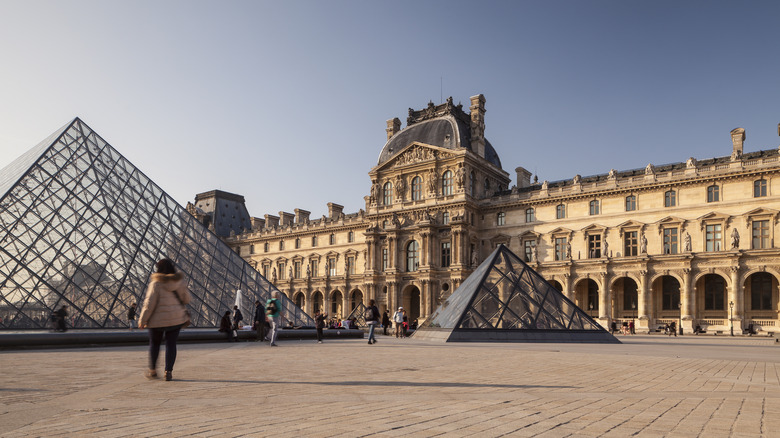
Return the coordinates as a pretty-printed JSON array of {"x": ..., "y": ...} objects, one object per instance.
[
  {"x": 577, "y": 179},
  {"x": 534, "y": 253},
  {"x": 474, "y": 259},
  {"x": 374, "y": 192},
  {"x": 290, "y": 273},
  {"x": 691, "y": 163},
  {"x": 400, "y": 187},
  {"x": 612, "y": 174},
  {"x": 460, "y": 176},
  {"x": 687, "y": 242},
  {"x": 432, "y": 181},
  {"x": 308, "y": 271},
  {"x": 606, "y": 248},
  {"x": 650, "y": 169},
  {"x": 568, "y": 249},
  {"x": 395, "y": 221},
  {"x": 734, "y": 239},
  {"x": 545, "y": 184},
  {"x": 273, "y": 275},
  {"x": 643, "y": 244}
]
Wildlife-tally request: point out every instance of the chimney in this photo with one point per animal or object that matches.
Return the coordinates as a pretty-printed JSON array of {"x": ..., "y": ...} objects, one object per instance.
[
  {"x": 393, "y": 126},
  {"x": 334, "y": 210},
  {"x": 523, "y": 177},
  {"x": 257, "y": 223},
  {"x": 286, "y": 218},
  {"x": 738, "y": 138},
  {"x": 301, "y": 216},
  {"x": 271, "y": 221},
  {"x": 478, "y": 125}
]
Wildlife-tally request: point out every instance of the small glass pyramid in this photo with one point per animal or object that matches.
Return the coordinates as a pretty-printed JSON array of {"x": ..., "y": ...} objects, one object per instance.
[
  {"x": 504, "y": 299},
  {"x": 81, "y": 226}
]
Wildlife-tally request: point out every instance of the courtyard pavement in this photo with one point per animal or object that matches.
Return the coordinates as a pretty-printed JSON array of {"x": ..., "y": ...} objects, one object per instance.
[{"x": 649, "y": 386}]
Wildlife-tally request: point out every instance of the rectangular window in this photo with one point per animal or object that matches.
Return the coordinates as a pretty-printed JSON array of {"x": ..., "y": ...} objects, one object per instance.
[
  {"x": 265, "y": 271},
  {"x": 760, "y": 234},
  {"x": 630, "y": 243},
  {"x": 670, "y": 198},
  {"x": 332, "y": 266},
  {"x": 351, "y": 265},
  {"x": 281, "y": 271},
  {"x": 445, "y": 254},
  {"x": 713, "y": 237},
  {"x": 501, "y": 219},
  {"x": 297, "y": 269},
  {"x": 713, "y": 193},
  {"x": 759, "y": 188},
  {"x": 670, "y": 240},
  {"x": 251, "y": 249},
  {"x": 385, "y": 259},
  {"x": 529, "y": 215},
  {"x": 445, "y": 218},
  {"x": 315, "y": 268},
  {"x": 560, "y": 211},
  {"x": 528, "y": 250},
  {"x": 630, "y": 203},
  {"x": 560, "y": 248},
  {"x": 313, "y": 240},
  {"x": 594, "y": 246},
  {"x": 594, "y": 208}
]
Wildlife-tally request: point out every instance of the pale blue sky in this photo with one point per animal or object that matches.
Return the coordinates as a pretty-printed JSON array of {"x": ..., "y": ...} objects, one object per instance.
[{"x": 285, "y": 102}]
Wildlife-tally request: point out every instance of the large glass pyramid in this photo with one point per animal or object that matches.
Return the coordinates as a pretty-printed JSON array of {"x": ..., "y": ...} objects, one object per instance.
[
  {"x": 81, "y": 226},
  {"x": 504, "y": 299}
]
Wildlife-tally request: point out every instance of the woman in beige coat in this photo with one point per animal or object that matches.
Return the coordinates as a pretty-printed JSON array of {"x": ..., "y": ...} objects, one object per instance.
[{"x": 164, "y": 314}]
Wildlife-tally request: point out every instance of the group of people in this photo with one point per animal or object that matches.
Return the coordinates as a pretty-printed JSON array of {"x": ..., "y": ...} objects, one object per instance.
[
  {"x": 627, "y": 328},
  {"x": 266, "y": 318}
]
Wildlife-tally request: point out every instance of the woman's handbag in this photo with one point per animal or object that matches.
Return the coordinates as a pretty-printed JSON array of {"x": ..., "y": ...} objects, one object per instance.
[{"x": 186, "y": 312}]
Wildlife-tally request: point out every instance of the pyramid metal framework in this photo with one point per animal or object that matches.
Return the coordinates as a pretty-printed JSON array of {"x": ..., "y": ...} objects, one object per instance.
[
  {"x": 81, "y": 226},
  {"x": 359, "y": 313},
  {"x": 504, "y": 299}
]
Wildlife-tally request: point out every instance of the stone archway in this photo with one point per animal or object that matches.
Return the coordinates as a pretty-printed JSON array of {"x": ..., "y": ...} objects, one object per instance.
[
  {"x": 337, "y": 304},
  {"x": 356, "y": 298},
  {"x": 300, "y": 300},
  {"x": 760, "y": 295},
  {"x": 411, "y": 299},
  {"x": 586, "y": 293},
  {"x": 317, "y": 302}
]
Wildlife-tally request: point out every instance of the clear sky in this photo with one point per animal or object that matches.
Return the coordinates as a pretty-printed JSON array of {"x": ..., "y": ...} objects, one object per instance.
[{"x": 286, "y": 102}]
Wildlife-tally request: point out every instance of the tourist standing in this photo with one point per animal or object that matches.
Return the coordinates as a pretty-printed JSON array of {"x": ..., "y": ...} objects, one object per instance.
[
  {"x": 237, "y": 318},
  {"x": 372, "y": 319},
  {"x": 632, "y": 327},
  {"x": 259, "y": 320},
  {"x": 398, "y": 319},
  {"x": 385, "y": 322},
  {"x": 59, "y": 319},
  {"x": 164, "y": 313},
  {"x": 131, "y": 316},
  {"x": 274, "y": 311},
  {"x": 319, "y": 324}
]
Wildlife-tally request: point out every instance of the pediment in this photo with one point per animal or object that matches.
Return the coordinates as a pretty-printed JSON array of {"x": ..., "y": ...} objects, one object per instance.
[
  {"x": 631, "y": 224},
  {"x": 761, "y": 211},
  {"x": 330, "y": 254},
  {"x": 313, "y": 256},
  {"x": 594, "y": 229},
  {"x": 561, "y": 230},
  {"x": 529, "y": 235},
  {"x": 500, "y": 238},
  {"x": 670, "y": 221},
  {"x": 714, "y": 216},
  {"x": 415, "y": 153}
]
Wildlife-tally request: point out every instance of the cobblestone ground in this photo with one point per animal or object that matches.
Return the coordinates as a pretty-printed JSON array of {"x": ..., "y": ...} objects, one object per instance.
[{"x": 649, "y": 386}]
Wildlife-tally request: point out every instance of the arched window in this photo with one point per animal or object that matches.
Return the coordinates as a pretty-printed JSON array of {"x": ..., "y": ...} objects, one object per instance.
[
  {"x": 297, "y": 243},
  {"x": 416, "y": 188},
  {"x": 446, "y": 183},
  {"x": 530, "y": 215},
  {"x": 560, "y": 211},
  {"x": 313, "y": 240},
  {"x": 387, "y": 194},
  {"x": 670, "y": 198},
  {"x": 761, "y": 291},
  {"x": 713, "y": 193},
  {"x": 759, "y": 188},
  {"x": 630, "y": 203},
  {"x": 332, "y": 239},
  {"x": 714, "y": 292},
  {"x": 412, "y": 262},
  {"x": 351, "y": 236},
  {"x": 281, "y": 245},
  {"x": 265, "y": 247}
]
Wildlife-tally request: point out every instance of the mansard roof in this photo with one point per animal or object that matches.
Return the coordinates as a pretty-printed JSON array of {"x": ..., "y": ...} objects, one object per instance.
[{"x": 444, "y": 125}]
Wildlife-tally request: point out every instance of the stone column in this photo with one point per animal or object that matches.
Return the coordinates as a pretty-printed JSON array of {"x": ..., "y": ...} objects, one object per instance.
[
  {"x": 605, "y": 302},
  {"x": 567, "y": 290},
  {"x": 644, "y": 308},
  {"x": 425, "y": 300},
  {"x": 687, "y": 301},
  {"x": 735, "y": 295}
]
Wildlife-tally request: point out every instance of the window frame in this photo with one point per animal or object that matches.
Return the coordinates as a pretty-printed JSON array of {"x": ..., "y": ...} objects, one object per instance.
[
  {"x": 560, "y": 211},
  {"x": 594, "y": 207},
  {"x": 387, "y": 193},
  {"x": 670, "y": 198},
  {"x": 760, "y": 188},
  {"x": 446, "y": 183},
  {"x": 631, "y": 203},
  {"x": 416, "y": 188},
  {"x": 412, "y": 256},
  {"x": 501, "y": 218},
  {"x": 713, "y": 193},
  {"x": 530, "y": 215}
]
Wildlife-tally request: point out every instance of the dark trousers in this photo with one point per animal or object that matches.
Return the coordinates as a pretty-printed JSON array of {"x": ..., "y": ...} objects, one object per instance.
[
  {"x": 155, "y": 339},
  {"x": 260, "y": 330},
  {"x": 319, "y": 334}
]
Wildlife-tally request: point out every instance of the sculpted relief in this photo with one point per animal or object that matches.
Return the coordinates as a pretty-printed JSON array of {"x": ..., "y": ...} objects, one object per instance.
[{"x": 418, "y": 154}]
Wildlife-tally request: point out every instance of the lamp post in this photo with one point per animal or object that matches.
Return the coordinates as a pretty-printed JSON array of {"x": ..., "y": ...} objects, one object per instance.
[
  {"x": 731, "y": 316},
  {"x": 633, "y": 317}
]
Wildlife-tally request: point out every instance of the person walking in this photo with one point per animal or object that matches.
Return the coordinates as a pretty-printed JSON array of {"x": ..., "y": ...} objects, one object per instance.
[
  {"x": 259, "y": 320},
  {"x": 164, "y": 313},
  {"x": 131, "y": 316},
  {"x": 273, "y": 309},
  {"x": 319, "y": 324},
  {"x": 372, "y": 319},
  {"x": 237, "y": 318},
  {"x": 385, "y": 322},
  {"x": 59, "y": 319},
  {"x": 398, "y": 319}
]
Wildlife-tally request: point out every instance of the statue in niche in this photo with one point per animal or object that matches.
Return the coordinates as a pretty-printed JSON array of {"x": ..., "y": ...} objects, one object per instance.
[
  {"x": 400, "y": 187},
  {"x": 568, "y": 249},
  {"x": 308, "y": 271},
  {"x": 687, "y": 242},
  {"x": 273, "y": 275},
  {"x": 534, "y": 254},
  {"x": 643, "y": 244},
  {"x": 474, "y": 259},
  {"x": 395, "y": 221},
  {"x": 606, "y": 248},
  {"x": 290, "y": 273},
  {"x": 432, "y": 181},
  {"x": 374, "y": 192},
  {"x": 734, "y": 239}
]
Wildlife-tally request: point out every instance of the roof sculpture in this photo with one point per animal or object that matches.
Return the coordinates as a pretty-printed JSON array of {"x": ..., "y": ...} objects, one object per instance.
[
  {"x": 505, "y": 300},
  {"x": 81, "y": 226}
]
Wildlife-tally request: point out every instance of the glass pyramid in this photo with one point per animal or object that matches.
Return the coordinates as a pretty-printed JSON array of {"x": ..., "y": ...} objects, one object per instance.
[
  {"x": 81, "y": 226},
  {"x": 359, "y": 314},
  {"x": 504, "y": 299}
]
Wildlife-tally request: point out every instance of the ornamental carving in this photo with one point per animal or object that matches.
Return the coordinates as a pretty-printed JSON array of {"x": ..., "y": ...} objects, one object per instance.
[
  {"x": 417, "y": 155},
  {"x": 433, "y": 111}
]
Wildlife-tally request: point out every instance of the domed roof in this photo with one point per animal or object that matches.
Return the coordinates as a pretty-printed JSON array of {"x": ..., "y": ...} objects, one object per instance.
[{"x": 446, "y": 131}]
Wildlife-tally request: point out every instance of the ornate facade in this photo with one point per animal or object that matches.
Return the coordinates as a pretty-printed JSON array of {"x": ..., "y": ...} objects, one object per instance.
[{"x": 691, "y": 242}]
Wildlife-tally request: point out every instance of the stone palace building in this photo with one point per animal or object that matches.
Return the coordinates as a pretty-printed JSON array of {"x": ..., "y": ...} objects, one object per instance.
[{"x": 690, "y": 242}]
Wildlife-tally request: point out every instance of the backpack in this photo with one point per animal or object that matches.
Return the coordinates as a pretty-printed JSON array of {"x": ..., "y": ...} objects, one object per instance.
[
  {"x": 369, "y": 315},
  {"x": 271, "y": 308}
]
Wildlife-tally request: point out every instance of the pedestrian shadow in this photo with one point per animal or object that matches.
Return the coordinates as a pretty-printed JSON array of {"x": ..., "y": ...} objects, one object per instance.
[{"x": 378, "y": 383}]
